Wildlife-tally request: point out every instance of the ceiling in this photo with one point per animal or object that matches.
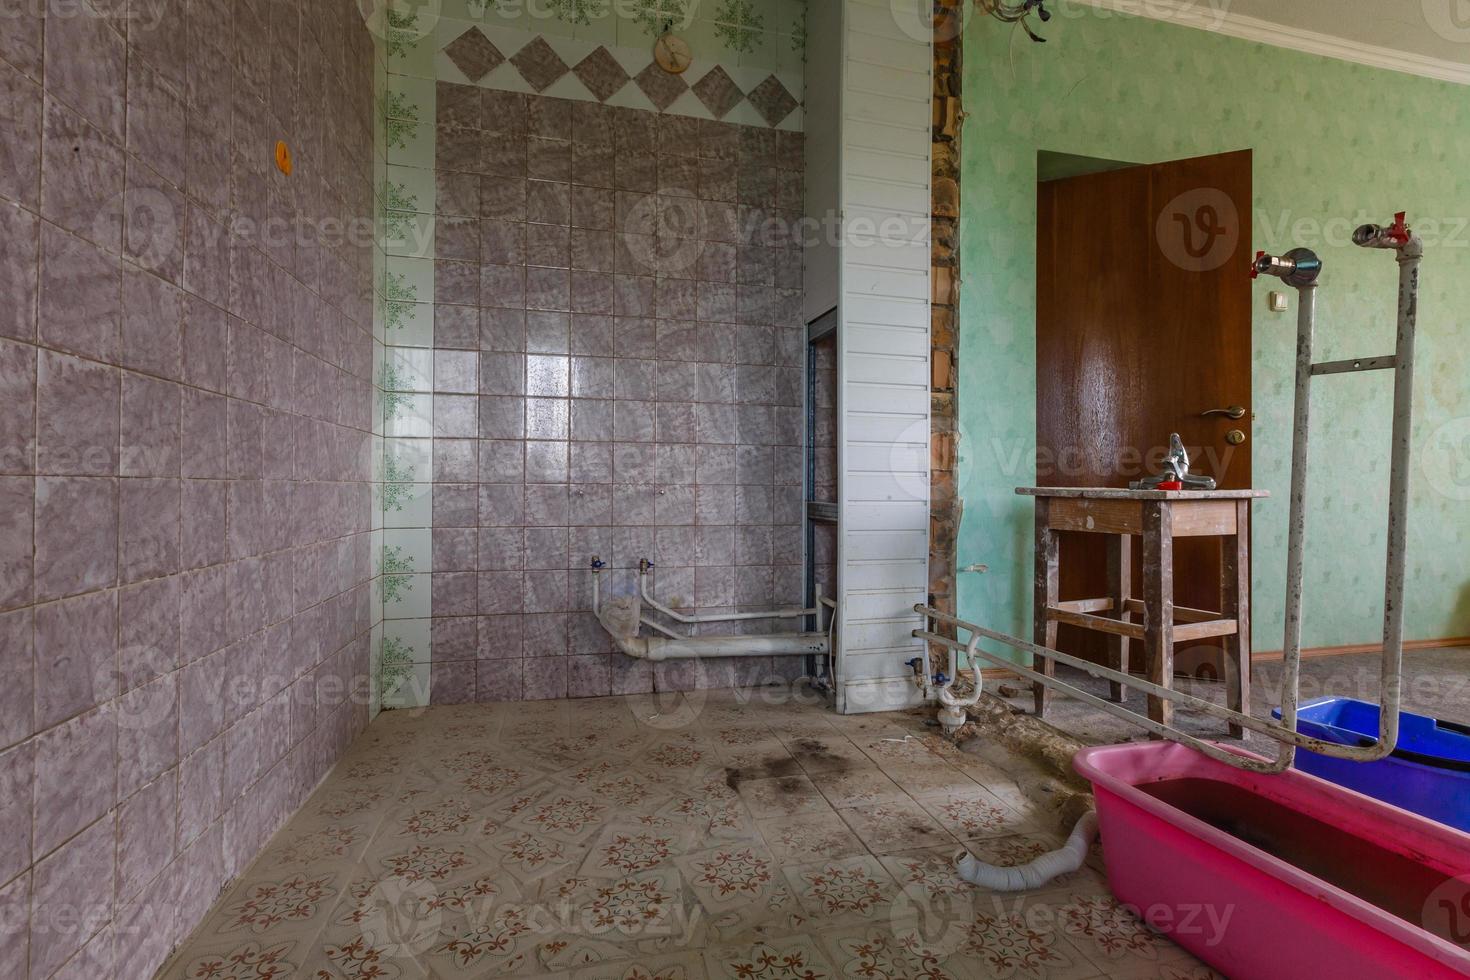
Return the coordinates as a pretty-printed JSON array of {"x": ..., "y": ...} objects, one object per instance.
[
  {"x": 1438, "y": 29},
  {"x": 1422, "y": 37}
]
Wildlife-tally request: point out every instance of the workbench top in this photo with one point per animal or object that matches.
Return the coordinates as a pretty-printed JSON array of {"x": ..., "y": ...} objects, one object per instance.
[{"x": 1120, "y": 493}]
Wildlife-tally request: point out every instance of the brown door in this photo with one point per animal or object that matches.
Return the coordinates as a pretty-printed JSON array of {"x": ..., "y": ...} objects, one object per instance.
[{"x": 1142, "y": 325}]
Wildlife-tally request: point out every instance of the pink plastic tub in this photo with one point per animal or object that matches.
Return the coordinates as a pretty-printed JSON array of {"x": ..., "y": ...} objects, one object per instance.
[{"x": 1279, "y": 876}]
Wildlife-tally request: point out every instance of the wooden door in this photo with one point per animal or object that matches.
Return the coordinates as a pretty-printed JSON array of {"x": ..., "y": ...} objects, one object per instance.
[{"x": 1142, "y": 325}]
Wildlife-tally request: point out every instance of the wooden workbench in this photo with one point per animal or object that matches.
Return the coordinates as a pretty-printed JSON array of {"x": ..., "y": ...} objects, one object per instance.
[{"x": 1158, "y": 517}]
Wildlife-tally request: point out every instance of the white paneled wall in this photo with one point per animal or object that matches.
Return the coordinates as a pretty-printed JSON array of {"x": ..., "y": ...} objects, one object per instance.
[{"x": 883, "y": 344}]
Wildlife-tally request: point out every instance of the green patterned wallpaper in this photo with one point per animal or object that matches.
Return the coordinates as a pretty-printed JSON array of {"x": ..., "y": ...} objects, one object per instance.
[{"x": 1335, "y": 144}]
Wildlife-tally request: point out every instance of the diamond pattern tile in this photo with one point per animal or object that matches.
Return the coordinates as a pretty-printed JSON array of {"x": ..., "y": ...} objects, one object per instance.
[
  {"x": 539, "y": 64},
  {"x": 660, "y": 87},
  {"x": 772, "y": 101},
  {"x": 601, "y": 73},
  {"x": 718, "y": 91},
  {"x": 474, "y": 54}
]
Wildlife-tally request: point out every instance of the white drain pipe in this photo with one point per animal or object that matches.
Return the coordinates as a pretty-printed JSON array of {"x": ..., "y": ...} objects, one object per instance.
[
  {"x": 1038, "y": 872},
  {"x": 952, "y": 707},
  {"x": 697, "y": 647}
]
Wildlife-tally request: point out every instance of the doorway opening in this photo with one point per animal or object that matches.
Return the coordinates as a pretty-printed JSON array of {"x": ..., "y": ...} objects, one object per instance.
[{"x": 1143, "y": 329}]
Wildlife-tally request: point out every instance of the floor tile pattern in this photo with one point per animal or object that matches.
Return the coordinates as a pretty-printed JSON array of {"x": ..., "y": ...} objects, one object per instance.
[{"x": 603, "y": 840}]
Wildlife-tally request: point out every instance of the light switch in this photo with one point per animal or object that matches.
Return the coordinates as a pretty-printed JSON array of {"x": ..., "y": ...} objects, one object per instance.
[{"x": 1278, "y": 301}]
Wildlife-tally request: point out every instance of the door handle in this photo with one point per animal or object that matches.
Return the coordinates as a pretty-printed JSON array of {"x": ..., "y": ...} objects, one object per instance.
[{"x": 1233, "y": 412}]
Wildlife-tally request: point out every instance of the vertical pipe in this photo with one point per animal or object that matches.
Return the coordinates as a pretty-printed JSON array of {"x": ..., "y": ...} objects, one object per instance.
[
  {"x": 1297, "y": 522},
  {"x": 809, "y": 533},
  {"x": 1398, "y": 492}
]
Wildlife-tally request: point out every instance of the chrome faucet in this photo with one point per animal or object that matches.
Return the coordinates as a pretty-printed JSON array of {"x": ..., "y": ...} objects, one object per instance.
[{"x": 1176, "y": 470}]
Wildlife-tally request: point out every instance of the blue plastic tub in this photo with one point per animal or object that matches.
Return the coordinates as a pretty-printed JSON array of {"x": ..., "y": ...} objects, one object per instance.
[{"x": 1428, "y": 773}]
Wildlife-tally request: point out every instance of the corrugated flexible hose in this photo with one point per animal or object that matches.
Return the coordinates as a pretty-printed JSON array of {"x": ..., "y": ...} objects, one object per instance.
[{"x": 1067, "y": 858}]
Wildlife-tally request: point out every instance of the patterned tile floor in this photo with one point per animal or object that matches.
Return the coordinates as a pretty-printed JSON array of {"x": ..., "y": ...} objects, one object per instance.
[{"x": 700, "y": 836}]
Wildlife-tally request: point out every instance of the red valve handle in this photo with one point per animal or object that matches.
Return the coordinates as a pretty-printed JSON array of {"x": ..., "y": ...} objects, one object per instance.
[
  {"x": 1398, "y": 231},
  {"x": 1254, "y": 273}
]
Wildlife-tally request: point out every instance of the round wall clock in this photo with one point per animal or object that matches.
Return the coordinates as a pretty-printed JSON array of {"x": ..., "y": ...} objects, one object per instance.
[{"x": 672, "y": 54}]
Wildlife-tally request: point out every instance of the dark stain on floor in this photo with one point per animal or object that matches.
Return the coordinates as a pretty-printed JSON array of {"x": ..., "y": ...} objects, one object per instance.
[
  {"x": 818, "y": 756},
  {"x": 774, "y": 767}
]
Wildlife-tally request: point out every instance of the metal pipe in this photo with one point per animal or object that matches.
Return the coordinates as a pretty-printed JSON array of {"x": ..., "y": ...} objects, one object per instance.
[
  {"x": 1410, "y": 250},
  {"x": 1132, "y": 717},
  {"x": 1100, "y": 672},
  {"x": 1299, "y": 268},
  {"x": 789, "y": 613},
  {"x": 1296, "y": 527},
  {"x": 659, "y": 627},
  {"x": 672, "y": 646},
  {"x": 697, "y": 647}
]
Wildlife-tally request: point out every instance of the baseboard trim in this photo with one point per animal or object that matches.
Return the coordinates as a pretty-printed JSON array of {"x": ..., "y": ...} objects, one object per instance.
[{"x": 1266, "y": 656}]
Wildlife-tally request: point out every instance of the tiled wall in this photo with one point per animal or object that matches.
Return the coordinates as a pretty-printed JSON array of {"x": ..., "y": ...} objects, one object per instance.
[
  {"x": 185, "y": 377},
  {"x": 595, "y": 335}
]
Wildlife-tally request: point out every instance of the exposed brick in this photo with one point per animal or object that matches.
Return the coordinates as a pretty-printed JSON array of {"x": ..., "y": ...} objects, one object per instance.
[{"x": 945, "y": 505}]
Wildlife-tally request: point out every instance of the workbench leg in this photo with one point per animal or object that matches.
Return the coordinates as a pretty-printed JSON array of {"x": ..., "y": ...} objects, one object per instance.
[
  {"x": 1158, "y": 601},
  {"x": 1235, "y": 603},
  {"x": 1047, "y": 593},
  {"x": 1120, "y": 581}
]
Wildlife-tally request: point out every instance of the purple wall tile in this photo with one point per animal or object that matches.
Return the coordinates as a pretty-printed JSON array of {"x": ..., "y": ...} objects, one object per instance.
[
  {"x": 195, "y": 397},
  {"x": 76, "y": 776},
  {"x": 82, "y": 186},
  {"x": 72, "y": 898},
  {"x": 80, "y": 296},
  {"x": 76, "y": 656},
  {"x": 146, "y": 835},
  {"x": 76, "y": 520},
  {"x": 17, "y": 772},
  {"x": 77, "y": 409},
  {"x": 639, "y": 373},
  {"x": 20, "y": 142},
  {"x": 149, "y": 441}
]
